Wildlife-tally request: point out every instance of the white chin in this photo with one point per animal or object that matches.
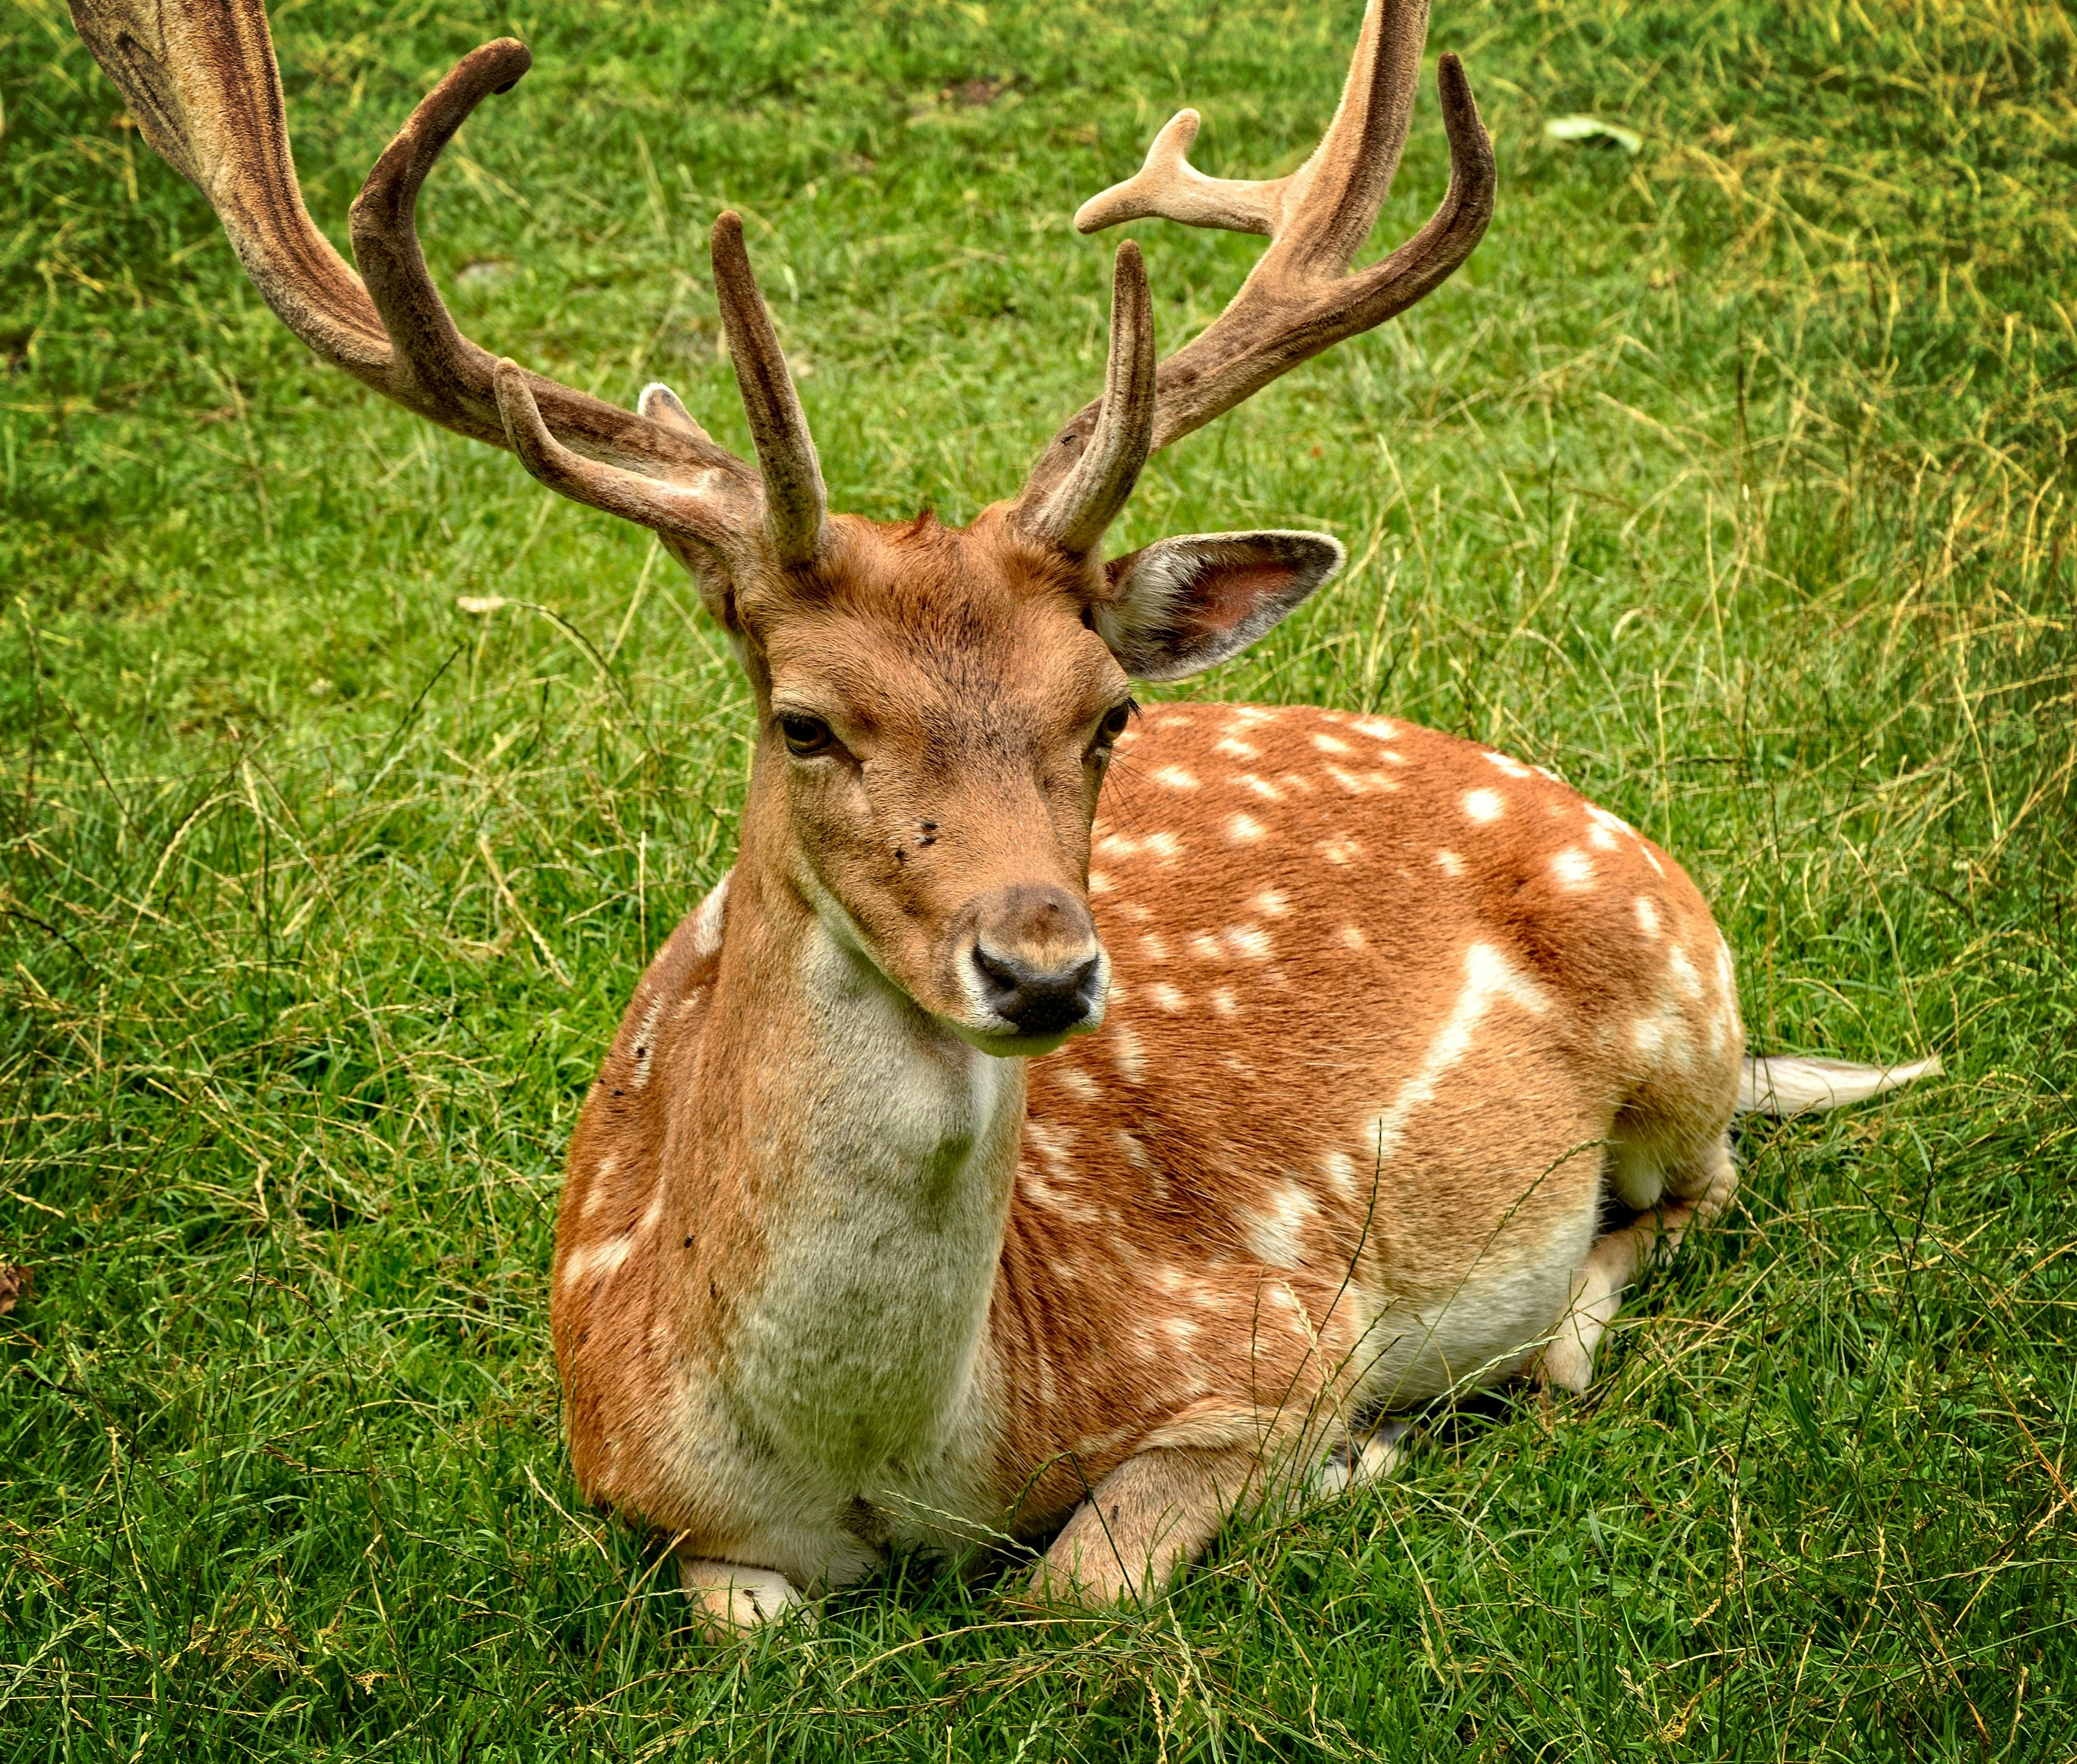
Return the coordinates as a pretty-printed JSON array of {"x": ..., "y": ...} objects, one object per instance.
[{"x": 1007, "y": 1043}]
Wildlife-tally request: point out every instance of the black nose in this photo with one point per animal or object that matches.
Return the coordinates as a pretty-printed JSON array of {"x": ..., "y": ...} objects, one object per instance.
[{"x": 1038, "y": 1000}]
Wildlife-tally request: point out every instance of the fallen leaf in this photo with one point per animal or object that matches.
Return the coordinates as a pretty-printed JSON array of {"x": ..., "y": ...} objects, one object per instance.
[
  {"x": 15, "y": 1284},
  {"x": 1592, "y": 128}
]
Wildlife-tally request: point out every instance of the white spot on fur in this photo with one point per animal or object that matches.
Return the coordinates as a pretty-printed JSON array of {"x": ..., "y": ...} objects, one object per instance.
[
  {"x": 1262, "y": 787},
  {"x": 1340, "y": 1169},
  {"x": 1277, "y": 1236},
  {"x": 1125, "y": 1049},
  {"x": 1239, "y": 750},
  {"x": 1224, "y": 1002},
  {"x": 1058, "y": 1201},
  {"x": 1352, "y": 937},
  {"x": 1647, "y": 917},
  {"x": 1361, "y": 783},
  {"x": 1330, "y": 744},
  {"x": 1154, "y": 946},
  {"x": 1599, "y": 837},
  {"x": 650, "y": 1214},
  {"x": 1250, "y": 940},
  {"x": 1685, "y": 977},
  {"x": 1512, "y": 768},
  {"x": 1376, "y": 728},
  {"x": 1050, "y": 1144},
  {"x": 1175, "y": 778},
  {"x": 1243, "y": 827},
  {"x": 1272, "y": 903},
  {"x": 1169, "y": 998},
  {"x": 1179, "y": 1330},
  {"x": 709, "y": 915},
  {"x": 1485, "y": 805},
  {"x": 1076, "y": 1083},
  {"x": 1488, "y": 979},
  {"x": 1099, "y": 882},
  {"x": 1574, "y": 869},
  {"x": 1162, "y": 846},
  {"x": 645, "y": 1045},
  {"x": 1662, "y": 1035},
  {"x": 595, "y": 1194},
  {"x": 596, "y": 1261},
  {"x": 1448, "y": 863},
  {"x": 1339, "y": 850}
]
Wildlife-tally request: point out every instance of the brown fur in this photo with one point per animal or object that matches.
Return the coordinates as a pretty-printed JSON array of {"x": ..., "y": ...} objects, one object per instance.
[{"x": 1204, "y": 1248}]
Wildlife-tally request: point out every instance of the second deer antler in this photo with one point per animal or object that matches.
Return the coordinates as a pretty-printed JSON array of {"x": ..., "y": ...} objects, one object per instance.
[{"x": 1300, "y": 299}]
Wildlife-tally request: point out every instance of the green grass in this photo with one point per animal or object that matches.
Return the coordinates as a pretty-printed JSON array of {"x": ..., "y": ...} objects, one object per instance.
[{"x": 1734, "y": 482}]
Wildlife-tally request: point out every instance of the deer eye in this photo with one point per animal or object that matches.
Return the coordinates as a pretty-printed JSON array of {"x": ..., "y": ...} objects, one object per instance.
[
  {"x": 806, "y": 736},
  {"x": 1114, "y": 721}
]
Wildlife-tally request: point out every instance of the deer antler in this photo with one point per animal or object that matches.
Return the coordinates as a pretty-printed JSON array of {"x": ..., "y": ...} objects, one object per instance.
[
  {"x": 1300, "y": 299},
  {"x": 200, "y": 77},
  {"x": 1082, "y": 505}
]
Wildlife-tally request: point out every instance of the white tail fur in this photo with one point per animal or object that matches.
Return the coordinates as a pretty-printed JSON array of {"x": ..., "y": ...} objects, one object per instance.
[{"x": 1778, "y": 1085}]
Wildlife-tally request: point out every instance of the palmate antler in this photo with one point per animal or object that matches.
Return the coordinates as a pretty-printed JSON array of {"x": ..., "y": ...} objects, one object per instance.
[
  {"x": 200, "y": 77},
  {"x": 1300, "y": 299}
]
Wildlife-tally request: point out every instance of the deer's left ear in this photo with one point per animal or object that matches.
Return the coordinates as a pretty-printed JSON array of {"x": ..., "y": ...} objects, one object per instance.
[{"x": 1182, "y": 605}]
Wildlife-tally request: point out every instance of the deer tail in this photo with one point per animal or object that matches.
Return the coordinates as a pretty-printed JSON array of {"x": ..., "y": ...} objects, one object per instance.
[{"x": 1779, "y": 1084}]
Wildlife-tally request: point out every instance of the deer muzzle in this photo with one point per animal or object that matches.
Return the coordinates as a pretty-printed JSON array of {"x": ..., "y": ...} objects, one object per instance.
[{"x": 1031, "y": 964}]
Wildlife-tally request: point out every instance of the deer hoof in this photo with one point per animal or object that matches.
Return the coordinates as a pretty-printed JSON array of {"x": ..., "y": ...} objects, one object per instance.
[{"x": 735, "y": 1599}]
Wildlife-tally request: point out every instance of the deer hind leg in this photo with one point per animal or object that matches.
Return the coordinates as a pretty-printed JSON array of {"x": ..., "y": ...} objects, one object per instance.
[
  {"x": 1144, "y": 1523},
  {"x": 1677, "y": 1194},
  {"x": 733, "y": 1599}
]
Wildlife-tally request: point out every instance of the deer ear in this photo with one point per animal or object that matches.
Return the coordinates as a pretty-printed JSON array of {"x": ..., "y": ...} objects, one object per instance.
[{"x": 1182, "y": 605}]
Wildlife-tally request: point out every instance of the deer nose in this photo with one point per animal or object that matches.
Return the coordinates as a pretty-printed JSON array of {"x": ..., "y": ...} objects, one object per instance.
[{"x": 1036, "y": 960}]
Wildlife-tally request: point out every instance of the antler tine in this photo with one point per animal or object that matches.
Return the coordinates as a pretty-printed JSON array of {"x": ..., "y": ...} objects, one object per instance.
[
  {"x": 1168, "y": 187},
  {"x": 454, "y": 381},
  {"x": 200, "y": 75},
  {"x": 202, "y": 84},
  {"x": 1331, "y": 202},
  {"x": 794, "y": 497},
  {"x": 691, "y": 510},
  {"x": 450, "y": 376},
  {"x": 1320, "y": 213},
  {"x": 1076, "y": 513},
  {"x": 1299, "y": 300}
]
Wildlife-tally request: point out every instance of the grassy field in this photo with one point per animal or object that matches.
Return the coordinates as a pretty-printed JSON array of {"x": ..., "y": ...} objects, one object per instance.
[{"x": 1732, "y": 480}]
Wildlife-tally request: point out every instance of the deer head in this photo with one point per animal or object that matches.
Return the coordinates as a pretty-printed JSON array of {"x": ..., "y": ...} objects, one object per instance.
[{"x": 935, "y": 707}]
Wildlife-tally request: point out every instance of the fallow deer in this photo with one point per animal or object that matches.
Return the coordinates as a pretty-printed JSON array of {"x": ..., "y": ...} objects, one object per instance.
[{"x": 1355, "y": 1036}]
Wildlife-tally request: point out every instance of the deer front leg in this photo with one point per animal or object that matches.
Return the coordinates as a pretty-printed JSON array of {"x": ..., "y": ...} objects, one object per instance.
[
  {"x": 734, "y": 1599},
  {"x": 1144, "y": 1523}
]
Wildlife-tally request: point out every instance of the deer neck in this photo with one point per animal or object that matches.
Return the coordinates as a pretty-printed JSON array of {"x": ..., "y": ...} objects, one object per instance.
[{"x": 875, "y": 1154}]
